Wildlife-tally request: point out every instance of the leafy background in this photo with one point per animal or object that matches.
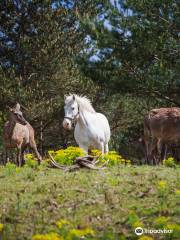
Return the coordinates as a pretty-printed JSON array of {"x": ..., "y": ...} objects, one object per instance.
[{"x": 124, "y": 55}]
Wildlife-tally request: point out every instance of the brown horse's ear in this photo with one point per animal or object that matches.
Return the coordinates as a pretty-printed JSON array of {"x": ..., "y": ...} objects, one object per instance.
[
  {"x": 17, "y": 107},
  {"x": 9, "y": 108}
]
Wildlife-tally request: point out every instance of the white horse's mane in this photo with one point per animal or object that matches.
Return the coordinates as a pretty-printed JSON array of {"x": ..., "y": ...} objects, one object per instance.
[{"x": 83, "y": 102}]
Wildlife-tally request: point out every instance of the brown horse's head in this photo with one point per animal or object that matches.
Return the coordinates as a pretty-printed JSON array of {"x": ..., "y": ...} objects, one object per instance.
[{"x": 17, "y": 115}]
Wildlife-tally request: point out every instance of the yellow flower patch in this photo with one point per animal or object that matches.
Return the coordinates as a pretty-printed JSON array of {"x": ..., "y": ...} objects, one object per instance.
[
  {"x": 161, "y": 221},
  {"x": 61, "y": 223},
  {"x": 162, "y": 184},
  {"x": 68, "y": 155},
  {"x": 1, "y": 227},
  {"x": 82, "y": 232},
  {"x": 146, "y": 238},
  {"x": 49, "y": 236},
  {"x": 177, "y": 192}
]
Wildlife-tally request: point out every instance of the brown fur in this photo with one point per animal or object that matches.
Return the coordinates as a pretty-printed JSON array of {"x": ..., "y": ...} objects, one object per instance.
[
  {"x": 161, "y": 127},
  {"x": 18, "y": 133}
]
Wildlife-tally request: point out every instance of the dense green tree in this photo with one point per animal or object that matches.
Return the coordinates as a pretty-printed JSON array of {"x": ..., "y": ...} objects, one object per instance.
[
  {"x": 123, "y": 54},
  {"x": 136, "y": 44},
  {"x": 132, "y": 51},
  {"x": 39, "y": 40}
]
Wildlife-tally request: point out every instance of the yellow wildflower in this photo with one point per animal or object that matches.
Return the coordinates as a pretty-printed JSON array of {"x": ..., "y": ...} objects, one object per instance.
[
  {"x": 174, "y": 227},
  {"x": 61, "y": 223},
  {"x": 1, "y": 227},
  {"x": 82, "y": 232},
  {"x": 177, "y": 191},
  {"x": 112, "y": 153},
  {"x": 28, "y": 156},
  {"x": 137, "y": 224},
  {"x": 95, "y": 152},
  {"x": 161, "y": 221},
  {"x": 18, "y": 169},
  {"x": 49, "y": 236},
  {"x": 162, "y": 184},
  {"x": 146, "y": 238}
]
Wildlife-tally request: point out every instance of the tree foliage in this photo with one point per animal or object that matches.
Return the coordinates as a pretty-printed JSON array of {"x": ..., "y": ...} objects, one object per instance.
[
  {"x": 137, "y": 45},
  {"x": 133, "y": 51},
  {"x": 39, "y": 40},
  {"x": 123, "y": 54}
]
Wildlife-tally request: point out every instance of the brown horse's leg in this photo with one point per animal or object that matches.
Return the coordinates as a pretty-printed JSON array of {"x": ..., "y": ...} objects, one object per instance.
[
  {"x": 22, "y": 154},
  {"x": 19, "y": 156},
  {"x": 34, "y": 147},
  {"x": 6, "y": 156}
]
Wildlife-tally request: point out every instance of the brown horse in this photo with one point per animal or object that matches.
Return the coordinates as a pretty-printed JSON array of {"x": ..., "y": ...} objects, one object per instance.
[
  {"x": 161, "y": 128},
  {"x": 18, "y": 133}
]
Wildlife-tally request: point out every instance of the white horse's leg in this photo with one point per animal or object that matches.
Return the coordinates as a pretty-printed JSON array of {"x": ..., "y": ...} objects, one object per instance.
[
  {"x": 106, "y": 148},
  {"x": 85, "y": 148},
  {"x": 102, "y": 147}
]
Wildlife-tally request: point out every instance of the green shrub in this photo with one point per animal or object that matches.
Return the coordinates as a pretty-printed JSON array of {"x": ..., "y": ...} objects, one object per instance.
[
  {"x": 112, "y": 157},
  {"x": 66, "y": 231},
  {"x": 169, "y": 162},
  {"x": 175, "y": 230},
  {"x": 10, "y": 168},
  {"x": 67, "y": 156},
  {"x": 161, "y": 222},
  {"x": 30, "y": 161}
]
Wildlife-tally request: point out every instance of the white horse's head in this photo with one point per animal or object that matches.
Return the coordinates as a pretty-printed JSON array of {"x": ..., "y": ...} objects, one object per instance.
[{"x": 71, "y": 110}]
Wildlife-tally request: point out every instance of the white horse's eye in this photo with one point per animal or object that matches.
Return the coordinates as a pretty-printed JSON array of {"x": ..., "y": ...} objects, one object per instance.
[{"x": 72, "y": 108}]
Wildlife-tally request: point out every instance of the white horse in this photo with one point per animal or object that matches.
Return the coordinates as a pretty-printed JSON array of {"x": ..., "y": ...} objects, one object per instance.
[{"x": 91, "y": 128}]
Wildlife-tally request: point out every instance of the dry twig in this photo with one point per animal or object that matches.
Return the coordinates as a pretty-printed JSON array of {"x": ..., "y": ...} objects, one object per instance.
[{"x": 87, "y": 161}]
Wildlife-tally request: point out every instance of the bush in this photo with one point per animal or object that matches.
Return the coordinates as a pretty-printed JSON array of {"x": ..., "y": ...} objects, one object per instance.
[
  {"x": 66, "y": 231},
  {"x": 67, "y": 156},
  {"x": 112, "y": 157},
  {"x": 30, "y": 161},
  {"x": 169, "y": 162},
  {"x": 10, "y": 168}
]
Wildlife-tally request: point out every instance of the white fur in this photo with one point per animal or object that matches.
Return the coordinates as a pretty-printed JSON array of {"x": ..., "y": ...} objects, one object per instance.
[{"x": 92, "y": 128}]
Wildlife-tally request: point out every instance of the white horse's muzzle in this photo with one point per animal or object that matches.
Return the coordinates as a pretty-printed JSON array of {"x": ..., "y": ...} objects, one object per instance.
[{"x": 67, "y": 124}]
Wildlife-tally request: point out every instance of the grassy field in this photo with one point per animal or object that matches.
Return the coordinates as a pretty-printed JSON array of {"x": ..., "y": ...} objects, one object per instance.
[{"x": 107, "y": 204}]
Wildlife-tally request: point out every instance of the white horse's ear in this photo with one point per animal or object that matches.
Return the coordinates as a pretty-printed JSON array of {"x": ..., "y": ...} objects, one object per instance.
[
  {"x": 17, "y": 107},
  {"x": 74, "y": 97}
]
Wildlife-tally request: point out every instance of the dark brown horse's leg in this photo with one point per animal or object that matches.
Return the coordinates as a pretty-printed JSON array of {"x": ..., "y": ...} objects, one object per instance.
[
  {"x": 163, "y": 152},
  {"x": 146, "y": 143},
  {"x": 152, "y": 156}
]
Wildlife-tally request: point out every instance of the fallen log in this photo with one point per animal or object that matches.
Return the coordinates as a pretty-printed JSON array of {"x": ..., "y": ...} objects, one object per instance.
[{"x": 87, "y": 161}]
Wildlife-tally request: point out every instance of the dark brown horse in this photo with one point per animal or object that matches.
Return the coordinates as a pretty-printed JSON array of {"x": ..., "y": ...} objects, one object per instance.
[
  {"x": 161, "y": 128},
  {"x": 18, "y": 133}
]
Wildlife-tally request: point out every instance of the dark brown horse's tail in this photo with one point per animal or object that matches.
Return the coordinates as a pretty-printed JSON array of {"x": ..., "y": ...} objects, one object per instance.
[
  {"x": 147, "y": 129},
  {"x": 147, "y": 120},
  {"x": 147, "y": 134},
  {"x": 148, "y": 138}
]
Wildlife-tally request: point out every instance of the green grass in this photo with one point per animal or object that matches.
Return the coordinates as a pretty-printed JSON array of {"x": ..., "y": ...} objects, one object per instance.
[{"x": 112, "y": 202}]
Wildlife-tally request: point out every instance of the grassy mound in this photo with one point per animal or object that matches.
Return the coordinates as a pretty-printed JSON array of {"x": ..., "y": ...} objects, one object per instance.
[{"x": 47, "y": 204}]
